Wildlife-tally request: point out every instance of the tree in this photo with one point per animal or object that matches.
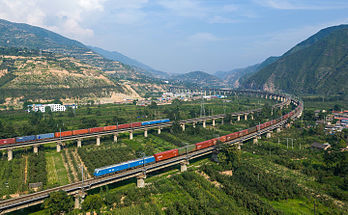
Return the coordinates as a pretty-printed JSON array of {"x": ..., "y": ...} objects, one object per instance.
[
  {"x": 230, "y": 156},
  {"x": 58, "y": 203},
  {"x": 92, "y": 203}
]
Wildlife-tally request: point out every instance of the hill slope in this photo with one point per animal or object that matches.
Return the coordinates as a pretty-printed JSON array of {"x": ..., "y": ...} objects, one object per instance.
[
  {"x": 318, "y": 65},
  {"x": 21, "y": 35}
]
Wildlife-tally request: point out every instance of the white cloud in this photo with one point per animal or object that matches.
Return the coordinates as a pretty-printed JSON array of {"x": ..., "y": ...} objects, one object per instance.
[{"x": 66, "y": 17}]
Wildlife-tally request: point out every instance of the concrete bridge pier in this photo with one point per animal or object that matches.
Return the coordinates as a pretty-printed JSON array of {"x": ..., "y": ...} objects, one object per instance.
[
  {"x": 278, "y": 130},
  {"x": 268, "y": 135},
  {"x": 36, "y": 149},
  {"x": 9, "y": 155},
  {"x": 98, "y": 141},
  {"x": 115, "y": 137},
  {"x": 183, "y": 166},
  {"x": 183, "y": 127},
  {"x": 239, "y": 145},
  {"x": 194, "y": 125},
  {"x": 252, "y": 117},
  {"x": 145, "y": 133},
  {"x": 246, "y": 117},
  {"x": 255, "y": 140},
  {"x": 79, "y": 143},
  {"x": 79, "y": 198},
  {"x": 59, "y": 147},
  {"x": 213, "y": 122},
  {"x": 131, "y": 135},
  {"x": 159, "y": 131},
  {"x": 222, "y": 121},
  {"x": 141, "y": 180},
  {"x": 238, "y": 118},
  {"x": 204, "y": 124}
]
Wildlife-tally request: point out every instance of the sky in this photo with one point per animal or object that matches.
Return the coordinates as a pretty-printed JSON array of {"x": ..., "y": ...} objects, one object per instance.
[{"x": 178, "y": 36}]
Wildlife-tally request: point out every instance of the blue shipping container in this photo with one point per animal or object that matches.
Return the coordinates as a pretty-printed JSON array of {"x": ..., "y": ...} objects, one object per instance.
[
  {"x": 25, "y": 138},
  {"x": 44, "y": 136}
]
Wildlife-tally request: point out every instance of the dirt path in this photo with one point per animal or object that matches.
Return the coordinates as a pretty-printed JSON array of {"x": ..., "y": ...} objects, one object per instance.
[
  {"x": 26, "y": 170},
  {"x": 66, "y": 168},
  {"x": 55, "y": 170},
  {"x": 79, "y": 160},
  {"x": 71, "y": 166},
  {"x": 215, "y": 183}
]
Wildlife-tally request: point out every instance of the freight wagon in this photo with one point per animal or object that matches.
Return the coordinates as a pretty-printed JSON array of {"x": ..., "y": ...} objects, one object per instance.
[
  {"x": 166, "y": 155},
  {"x": 7, "y": 141},
  {"x": 204, "y": 144},
  {"x": 187, "y": 149},
  {"x": 44, "y": 136},
  {"x": 63, "y": 134},
  {"x": 25, "y": 138},
  {"x": 81, "y": 131}
]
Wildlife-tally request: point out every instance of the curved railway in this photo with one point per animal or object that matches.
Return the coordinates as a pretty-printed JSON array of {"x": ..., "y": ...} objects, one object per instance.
[{"x": 79, "y": 187}]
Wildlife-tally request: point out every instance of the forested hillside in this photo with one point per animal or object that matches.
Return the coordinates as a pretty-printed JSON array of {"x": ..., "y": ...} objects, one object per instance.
[{"x": 318, "y": 65}]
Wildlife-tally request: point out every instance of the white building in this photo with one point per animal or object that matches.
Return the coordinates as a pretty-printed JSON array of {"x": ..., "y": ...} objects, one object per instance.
[{"x": 42, "y": 107}]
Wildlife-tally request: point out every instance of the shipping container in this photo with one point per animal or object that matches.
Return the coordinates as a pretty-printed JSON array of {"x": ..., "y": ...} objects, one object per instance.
[
  {"x": 110, "y": 128},
  {"x": 232, "y": 136},
  {"x": 63, "y": 134},
  {"x": 122, "y": 126},
  {"x": 7, "y": 141},
  {"x": 166, "y": 155},
  {"x": 97, "y": 129},
  {"x": 204, "y": 144},
  {"x": 187, "y": 149},
  {"x": 223, "y": 139},
  {"x": 44, "y": 136},
  {"x": 25, "y": 138},
  {"x": 243, "y": 133},
  {"x": 81, "y": 131}
]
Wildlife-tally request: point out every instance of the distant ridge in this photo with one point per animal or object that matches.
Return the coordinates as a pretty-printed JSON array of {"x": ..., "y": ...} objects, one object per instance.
[
  {"x": 113, "y": 55},
  {"x": 318, "y": 65}
]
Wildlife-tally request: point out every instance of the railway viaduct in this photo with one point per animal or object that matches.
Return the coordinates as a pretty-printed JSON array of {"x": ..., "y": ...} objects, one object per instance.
[
  {"x": 284, "y": 101},
  {"x": 78, "y": 189}
]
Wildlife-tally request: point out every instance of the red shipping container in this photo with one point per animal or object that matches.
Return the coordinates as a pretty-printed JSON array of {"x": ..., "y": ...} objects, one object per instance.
[
  {"x": 136, "y": 124},
  {"x": 166, "y": 155},
  {"x": 243, "y": 133},
  {"x": 214, "y": 141},
  {"x": 63, "y": 134},
  {"x": 97, "y": 129},
  {"x": 7, "y": 141},
  {"x": 81, "y": 131},
  {"x": 223, "y": 139},
  {"x": 110, "y": 127},
  {"x": 204, "y": 144},
  {"x": 232, "y": 136},
  {"x": 123, "y": 126}
]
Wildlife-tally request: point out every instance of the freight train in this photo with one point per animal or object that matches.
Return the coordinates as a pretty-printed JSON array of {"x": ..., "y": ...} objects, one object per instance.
[
  {"x": 79, "y": 132},
  {"x": 187, "y": 149}
]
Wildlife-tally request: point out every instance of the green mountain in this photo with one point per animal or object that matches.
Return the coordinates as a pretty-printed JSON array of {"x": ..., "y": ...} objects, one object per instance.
[
  {"x": 318, "y": 65},
  {"x": 21, "y": 35},
  {"x": 198, "y": 78},
  {"x": 235, "y": 76}
]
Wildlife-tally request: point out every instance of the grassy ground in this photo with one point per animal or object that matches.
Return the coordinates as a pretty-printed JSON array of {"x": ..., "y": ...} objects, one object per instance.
[{"x": 56, "y": 172}]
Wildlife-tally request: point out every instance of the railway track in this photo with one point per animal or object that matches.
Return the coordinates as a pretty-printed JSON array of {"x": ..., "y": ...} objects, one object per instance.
[{"x": 74, "y": 188}]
